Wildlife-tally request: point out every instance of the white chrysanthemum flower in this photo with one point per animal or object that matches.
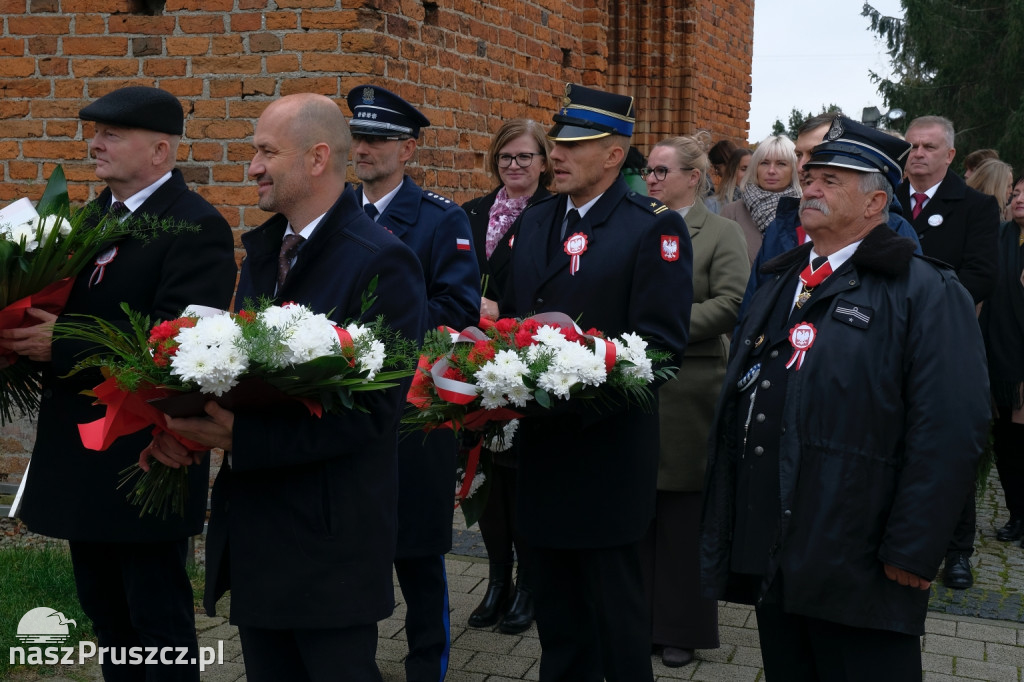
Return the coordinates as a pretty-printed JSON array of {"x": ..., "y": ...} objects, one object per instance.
[
  {"x": 633, "y": 348},
  {"x": 555, "y": 382},
  {"x": 53, "y": 222},
  {"x": 478, "y": 481},
  {"x": 491, "y": 400},
  {"x": 503, "y": 441},
  {"x": 549, "y": 336},
  {"x": 26, "y": 231},
  {"x": 208, "y": 354},
  {"x": 519, "y": 394}
]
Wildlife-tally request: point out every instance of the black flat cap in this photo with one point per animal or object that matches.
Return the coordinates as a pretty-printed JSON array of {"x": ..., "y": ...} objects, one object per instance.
[{"x": 138, "y": 107}]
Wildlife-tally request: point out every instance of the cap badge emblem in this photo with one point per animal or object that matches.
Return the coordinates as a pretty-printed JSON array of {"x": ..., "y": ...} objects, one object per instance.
[{"x": 368, "y": 95}]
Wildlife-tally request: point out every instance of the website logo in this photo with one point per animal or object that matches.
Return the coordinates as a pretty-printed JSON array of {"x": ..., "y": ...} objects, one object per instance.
[{"x": 44, "y": 625}]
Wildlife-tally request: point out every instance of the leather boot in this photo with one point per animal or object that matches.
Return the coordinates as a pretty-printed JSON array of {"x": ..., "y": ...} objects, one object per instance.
[
  {"x": 499, "y": 590},
  {"x": 520, "y": 613}
]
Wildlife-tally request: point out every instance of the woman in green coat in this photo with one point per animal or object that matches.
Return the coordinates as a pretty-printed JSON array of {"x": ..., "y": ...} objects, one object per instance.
[{"x": 682, "y": 619}]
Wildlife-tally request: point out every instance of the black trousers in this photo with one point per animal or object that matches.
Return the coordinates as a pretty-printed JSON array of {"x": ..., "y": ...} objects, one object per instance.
[
  {"x": 314, "y": 655},
  {"x": 138, "y": 595},
  {"x": 592, "y": 617},
  {"x": 966, "y": 526},
  {"x": 801, "y": 649},
  {"x": 427, "y": 622},
  {"x": 497, "y": 523},
  {"x": 1008, "y": 442},
  {"x": 680, "y": 616}
]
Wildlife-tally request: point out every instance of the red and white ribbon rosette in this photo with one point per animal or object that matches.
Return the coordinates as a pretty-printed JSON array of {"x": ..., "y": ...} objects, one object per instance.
[
  {"x": 801, "y": 337},
  {"x": 575, "y": 246}
]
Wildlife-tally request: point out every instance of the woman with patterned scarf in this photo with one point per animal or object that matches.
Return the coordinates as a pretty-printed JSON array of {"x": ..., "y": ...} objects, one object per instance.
[
  {"x": 772, "y": 175},
  {"x": 518, "y": 156}
]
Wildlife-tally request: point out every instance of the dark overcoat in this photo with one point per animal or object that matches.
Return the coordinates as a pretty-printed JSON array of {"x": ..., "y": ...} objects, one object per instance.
[
  {"x": 587, "y": 479},
  {"x": 432, "y": 227},
  {"x": 303, "y": 525},
  {"x": 72, "y": 492},
  {"x": 882, "y": 427},
  {"x": 495, "y": 267},
  {"x": 959, "y": 226}
]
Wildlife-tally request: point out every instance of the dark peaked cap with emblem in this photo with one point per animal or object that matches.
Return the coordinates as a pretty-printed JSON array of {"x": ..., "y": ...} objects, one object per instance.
[
  {"x": 849, "y": 144},
  {"x": 588, "y": 114},
  {"x": 138, "y": 107},
  {"x": 378, "y": 112}
]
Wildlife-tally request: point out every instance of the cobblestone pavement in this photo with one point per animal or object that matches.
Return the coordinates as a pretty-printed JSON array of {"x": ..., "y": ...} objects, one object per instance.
[{"x": 976, "y": 634}]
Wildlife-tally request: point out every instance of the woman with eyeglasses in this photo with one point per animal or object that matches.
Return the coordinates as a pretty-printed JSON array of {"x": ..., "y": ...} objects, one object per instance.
[
  {"x": 772, "y": 175},
  {"x": 518, "y": 157},
  {"x": 683, "y": 621}
]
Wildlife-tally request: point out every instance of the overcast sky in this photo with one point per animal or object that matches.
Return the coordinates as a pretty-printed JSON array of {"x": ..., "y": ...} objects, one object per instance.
[{"x": 812, "y": 53}]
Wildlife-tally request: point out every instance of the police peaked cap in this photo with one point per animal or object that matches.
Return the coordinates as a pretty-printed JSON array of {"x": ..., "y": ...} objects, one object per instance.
[
  {"x": 138, "y": 107},
  {"x": 852, "y": 145},
  {"x": 381, "y": 113},
  {"x": 588, "y": 114}
]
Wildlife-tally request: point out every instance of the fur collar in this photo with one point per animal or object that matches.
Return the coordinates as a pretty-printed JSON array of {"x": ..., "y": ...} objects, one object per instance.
[{"x": 882, "y": 251}]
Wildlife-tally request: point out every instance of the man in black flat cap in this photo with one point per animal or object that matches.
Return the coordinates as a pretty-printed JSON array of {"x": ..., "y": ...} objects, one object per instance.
[
  {"x": 385, "y": 129},
  {"x": 838, "y": 463},
  {"x": 129, "y": 570},
  {"x": 607, "y": 257}
]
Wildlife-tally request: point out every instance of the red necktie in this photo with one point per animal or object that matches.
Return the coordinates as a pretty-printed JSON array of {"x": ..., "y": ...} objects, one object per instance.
[{"x": 919, "y": 199}]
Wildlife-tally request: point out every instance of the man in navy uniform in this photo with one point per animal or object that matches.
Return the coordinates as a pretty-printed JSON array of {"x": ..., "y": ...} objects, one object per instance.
[
  {"x": 303, "y": 524},
  {"x": 385, "y": 129},
  {"x": 838, "y": 462},
  {"x": 129, "y": 570},
  {"x": 620, "y": 262}
]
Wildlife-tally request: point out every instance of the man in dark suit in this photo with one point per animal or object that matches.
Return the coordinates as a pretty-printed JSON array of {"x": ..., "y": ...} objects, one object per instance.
[
  {"x": 384, "y": 132},
  {"x": 303, "y": 523},
  {"x": 957, "y": 225},
  {"x": 620, "y": 262},
  {"x": 129, "y": 571}
]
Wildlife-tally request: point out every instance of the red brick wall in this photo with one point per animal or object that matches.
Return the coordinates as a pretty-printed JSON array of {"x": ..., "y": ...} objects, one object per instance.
[{"x": 467, "y": 64}]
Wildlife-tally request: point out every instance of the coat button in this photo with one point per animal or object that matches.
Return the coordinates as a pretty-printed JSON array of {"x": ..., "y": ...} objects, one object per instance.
[
  {"x": 766, "y": 384},
  {"x": 539, "y": 302},
  {"x": 760, "y": 418},
  {"x": 787, "y": 513},
  {"x": 774, "y": 354},
  {"x": 758, "y": 451}
]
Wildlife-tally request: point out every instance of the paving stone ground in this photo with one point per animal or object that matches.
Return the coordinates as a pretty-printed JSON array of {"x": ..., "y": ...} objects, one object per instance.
[{"x": 976, "y": 634}]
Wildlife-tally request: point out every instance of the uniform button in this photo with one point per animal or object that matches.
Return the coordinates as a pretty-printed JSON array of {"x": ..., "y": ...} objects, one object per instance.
[
  {"x": 774, "y": 354},
  {"x": 760, "y": 418},
  {"x": 758, "y": 451},
  {"x": 766, "y": 384},
  {"x": 782, "y": 430},
  {"x": 787, "y": 513},
  {"x": 539, "y": 302}
]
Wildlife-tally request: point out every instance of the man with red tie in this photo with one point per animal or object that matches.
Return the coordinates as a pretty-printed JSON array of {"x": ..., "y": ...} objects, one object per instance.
[{"x": 957, "y": 225}]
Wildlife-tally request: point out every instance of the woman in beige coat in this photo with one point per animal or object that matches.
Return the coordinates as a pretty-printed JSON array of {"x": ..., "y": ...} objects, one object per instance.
[{"x": 682, "y": 619}]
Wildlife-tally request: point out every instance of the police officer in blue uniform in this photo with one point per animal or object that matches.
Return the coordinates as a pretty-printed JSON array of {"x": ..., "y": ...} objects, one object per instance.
[
  {"x": 620, "y": 262},
  {"x": 385, "y": 129}
]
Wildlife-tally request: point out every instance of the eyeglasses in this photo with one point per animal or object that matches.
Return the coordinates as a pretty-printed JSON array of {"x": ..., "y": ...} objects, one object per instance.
[
  {"x": 522, "y": 160},
  {"x": 660, "y": 172}
]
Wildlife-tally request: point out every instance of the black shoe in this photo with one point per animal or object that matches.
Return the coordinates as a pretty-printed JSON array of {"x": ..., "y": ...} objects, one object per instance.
[
  {"x": 520, "y": 613},
  {"x": 957, "y": 573},
  {"x": 1013, "y": 530},
  {"x": 499, "y": 590},
  {"x": 676, "y": 658}
]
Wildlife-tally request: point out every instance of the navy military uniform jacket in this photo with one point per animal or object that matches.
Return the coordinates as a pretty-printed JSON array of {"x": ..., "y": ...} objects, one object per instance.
[
  {"x": 304, "y": 519},
  {"x": 437, "y": 230},
  {"x": 588, "y": 479},
  {"x": 867, "y": 456},
  {"x": 959, "y": 226},
  {"x": 72, "y": 492}
]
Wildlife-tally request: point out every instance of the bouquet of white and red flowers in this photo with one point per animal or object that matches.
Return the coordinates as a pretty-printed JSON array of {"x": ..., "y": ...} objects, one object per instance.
[
  {"x": 42, "y": 248},
  {"x": 484, "y": 378},
  {"x": 251, "y": 360}
]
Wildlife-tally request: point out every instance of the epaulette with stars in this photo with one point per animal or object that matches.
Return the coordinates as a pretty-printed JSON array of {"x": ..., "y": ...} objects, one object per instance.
[
  {"x": 648, "y": 203},
  {"x": 441, "y": 201}
]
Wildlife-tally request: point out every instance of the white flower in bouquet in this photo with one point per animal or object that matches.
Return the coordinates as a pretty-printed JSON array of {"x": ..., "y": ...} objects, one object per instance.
[
  {"x": 26, "y": 232},
  {"x": 478, "y": 480},
  {"x": 572, "y": 358},
  {"x": 558, "y": 383},
  {"x": 503, "y": 441},
  {"x": 208, "y": 354},
  {"x": 370, "y": 351},
  {"x": 53, "y": 222},
  {"x": 633, "y": 348},
  {"x": 305, "y": 335}
]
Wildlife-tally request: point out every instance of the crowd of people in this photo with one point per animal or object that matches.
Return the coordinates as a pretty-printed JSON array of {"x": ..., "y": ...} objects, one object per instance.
[{"x": 822, "y": 298}]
